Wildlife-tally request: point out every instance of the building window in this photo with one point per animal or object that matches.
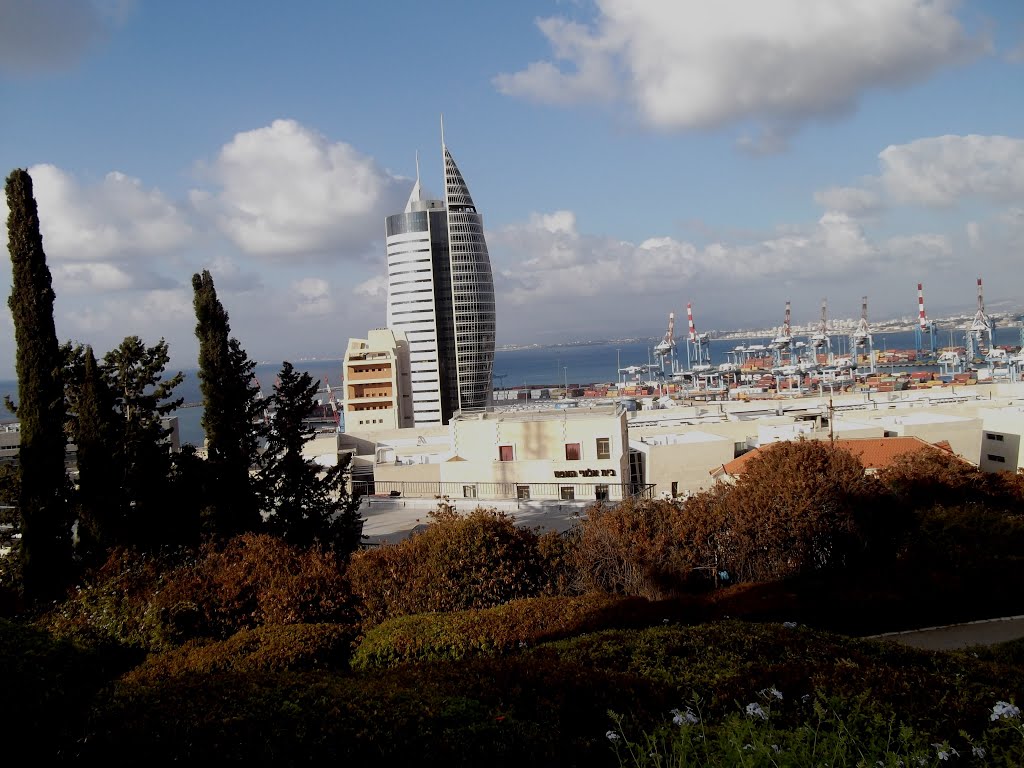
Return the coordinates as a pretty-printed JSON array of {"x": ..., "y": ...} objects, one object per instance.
[
  {"x": 469, "y": 491},
  {"x": 572, "y": 451},
  {"x": 601, "y": 492},
  {"x": 604, "y": 448},
  {"x": 1000, "y": 459},
  {"x": 523, "y": 492},
  {"x": 505, "y": 453},
  {"x": 992, "y": 436},
  {"x": 567, "y": 493}
]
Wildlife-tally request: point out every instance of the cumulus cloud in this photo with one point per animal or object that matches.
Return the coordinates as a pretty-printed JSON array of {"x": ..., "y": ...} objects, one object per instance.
[
  {"x": 558, "y": 262},
  {"x": 286, "y": 191},
  {"x": 374, "y": 288},
  {"x": 851, "y": 200},
  {"x": 942, "y": 170},
  {"x": 690, "y": 64},
  {"x": 43, "y": 36},
  {"x": 116, "y": 218},
  {"x": 311, "y": 296}
]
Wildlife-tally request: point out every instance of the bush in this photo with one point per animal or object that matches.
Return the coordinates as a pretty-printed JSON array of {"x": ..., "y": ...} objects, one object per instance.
[
  {"x": 154, "y": 602},
  {"x": 492, "y": 631},
  {"x": 270, "y": 648},
  {"x": 494, "y": 712},
  {"x": 48, "y": 687},
  {"x": 459, "y": 562},
  {"x": 641, "y": 547}
]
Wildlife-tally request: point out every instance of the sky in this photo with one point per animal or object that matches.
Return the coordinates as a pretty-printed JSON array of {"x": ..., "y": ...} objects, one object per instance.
[{"x": 628, "y": 156}]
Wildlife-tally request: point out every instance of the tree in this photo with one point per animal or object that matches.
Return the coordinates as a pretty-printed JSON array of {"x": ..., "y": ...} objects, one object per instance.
[
  {"x": 305, "y": 503},
  {"x": 46, "y": 515},
  {"x": 100, "y": 516},
  {"x": 133, "y": 374},
  {"x": 230, "y": 416},
  {"x": 800, "y": 506}
]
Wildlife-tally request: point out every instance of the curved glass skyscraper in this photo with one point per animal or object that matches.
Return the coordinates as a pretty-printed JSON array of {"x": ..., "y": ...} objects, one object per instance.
[{"x": 441, "y": 293}]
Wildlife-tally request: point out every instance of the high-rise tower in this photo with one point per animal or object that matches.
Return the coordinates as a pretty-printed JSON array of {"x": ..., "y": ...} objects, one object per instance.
[{"x": 441, "y": 294}]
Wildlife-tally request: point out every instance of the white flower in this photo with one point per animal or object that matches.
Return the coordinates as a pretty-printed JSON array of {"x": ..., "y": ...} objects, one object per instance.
[
  {"x": 612, "y": 736},
  {"x": 789, "y": 624},
  {"x": 754, "y": 710},
  {"x": 978, "y": 752},
  {"x": 1004, "y": 710},
  {"x": 773, "y": 691},
  {"x": 748, "y": 746},
  {"x": 777, "y": 748},
  {"x": 684, "y": 717}
]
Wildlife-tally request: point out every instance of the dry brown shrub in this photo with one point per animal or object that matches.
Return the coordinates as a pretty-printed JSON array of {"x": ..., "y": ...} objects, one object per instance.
[{"x": 476, "y": 560}]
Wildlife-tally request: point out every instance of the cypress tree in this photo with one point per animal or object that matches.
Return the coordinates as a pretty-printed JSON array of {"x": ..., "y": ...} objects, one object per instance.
[
  {"x": 100, "y": 518},
  {"x": 230, "y": 407},
  {"x": 46, "y": 515}
]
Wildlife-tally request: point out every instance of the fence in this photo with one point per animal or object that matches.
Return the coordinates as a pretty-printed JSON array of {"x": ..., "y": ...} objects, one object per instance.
[{"x": 521, "y": 491}]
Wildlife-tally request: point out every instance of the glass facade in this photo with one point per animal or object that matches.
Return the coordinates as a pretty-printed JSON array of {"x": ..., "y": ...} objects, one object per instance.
[{"x": 472, "y": 292}]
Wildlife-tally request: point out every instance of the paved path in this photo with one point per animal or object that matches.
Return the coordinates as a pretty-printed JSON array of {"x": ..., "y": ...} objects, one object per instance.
[{"x": 987, "y": 632}]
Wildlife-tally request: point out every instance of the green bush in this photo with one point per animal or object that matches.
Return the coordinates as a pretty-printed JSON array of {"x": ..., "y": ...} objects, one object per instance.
[
  {"x": 270, "y": 648},
  {"x": 521, "y": 623},
  {"x": 477, "y": 560},
  {"x": 494, "y": 712},
  {"x": 48, "y": 685}
]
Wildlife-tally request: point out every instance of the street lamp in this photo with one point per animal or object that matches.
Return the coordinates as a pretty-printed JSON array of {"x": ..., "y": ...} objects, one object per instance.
[{"x": 565, "y": 371}]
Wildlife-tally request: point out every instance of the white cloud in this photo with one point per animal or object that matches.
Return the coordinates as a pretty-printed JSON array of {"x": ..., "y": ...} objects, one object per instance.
[
  {"x": 562, "y": 263},
  {"x": 311, "y": 297},
  {"x": 688, "y": 64},
  {"x": 115, "y": 219},
  {"x": 374, "y": 288},
  {"x": 942, "y": 170},
  {"x": 44, "y": 36},
  {"x": 851, "y": 200},
  {"x": 286, "y": 191},
  {"x": 90, "y": 278}
]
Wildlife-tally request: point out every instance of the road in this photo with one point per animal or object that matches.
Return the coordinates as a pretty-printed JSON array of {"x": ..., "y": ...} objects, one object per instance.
[{"x": 987, "y": 632}]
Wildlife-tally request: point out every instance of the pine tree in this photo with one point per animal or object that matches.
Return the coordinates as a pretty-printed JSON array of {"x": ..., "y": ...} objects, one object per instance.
[
  {"x": 305, "y": 503},
  {"x": 141, "y": 398},
  {"x": 230, "y": 408},
  {"x": 46, "y": 515}
]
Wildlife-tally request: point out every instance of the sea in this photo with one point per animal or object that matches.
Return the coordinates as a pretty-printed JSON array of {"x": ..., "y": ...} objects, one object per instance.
[{"x": 553, "y": 366}]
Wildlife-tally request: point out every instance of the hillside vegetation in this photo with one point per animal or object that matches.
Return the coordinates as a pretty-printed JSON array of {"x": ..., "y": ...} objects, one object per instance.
[{"x": 720, "y": 631}]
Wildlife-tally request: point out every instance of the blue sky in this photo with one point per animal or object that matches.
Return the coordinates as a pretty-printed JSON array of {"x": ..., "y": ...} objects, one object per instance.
[{"x": 628, "y": 156}]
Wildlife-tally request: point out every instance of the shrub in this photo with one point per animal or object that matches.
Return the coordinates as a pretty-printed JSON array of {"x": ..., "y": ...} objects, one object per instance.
[
  {"x": 505, "y": 628},
  {"x": 48, "y": 687},
  {"x": 800, "y": 507},
  {"x": 270, "y": 648},
  {"x": 153, "y": 602},
  {"x": 254, "y": 579},
  {"x": 459, "y": 562},
  {"x": 493, "y": 711},
  {"x": 641, "y": 547}
]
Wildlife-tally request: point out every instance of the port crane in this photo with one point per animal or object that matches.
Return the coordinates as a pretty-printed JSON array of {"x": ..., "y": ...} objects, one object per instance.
[
  {"x": 980, "y": 332},
  {"x": 698, "y": 346},
  {"x": 667, "y": 346},
  {"x": 335, "y": 411},
  {"x": 861, "y": 342},
  {"x": 266, "y": 410},
  {"x": 782, "y": 344},
  {"x": 924, "y": 327},
  {"x": 821, "y": 342}
]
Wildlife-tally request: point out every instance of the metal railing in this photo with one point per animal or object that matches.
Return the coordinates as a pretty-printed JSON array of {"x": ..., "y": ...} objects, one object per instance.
[{"x": 495, "y": 491}]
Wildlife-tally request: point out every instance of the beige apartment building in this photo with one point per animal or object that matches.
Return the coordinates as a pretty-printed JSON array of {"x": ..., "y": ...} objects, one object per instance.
[
  {"x": 377, "y": 390},
  {"x": 568, "y": 454}
]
